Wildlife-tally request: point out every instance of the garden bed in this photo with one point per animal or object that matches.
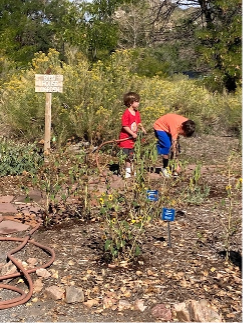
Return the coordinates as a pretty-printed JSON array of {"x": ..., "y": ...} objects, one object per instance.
[{"x": 194, "y": 267}]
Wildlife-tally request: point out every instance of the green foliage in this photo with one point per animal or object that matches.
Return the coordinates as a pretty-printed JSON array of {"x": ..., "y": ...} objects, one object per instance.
[
  {"x": 150, "y": 63},
  {"x": 102, "y": 30},
  {"x": 104, "y": 9},
  {"x": 103, "y": 38},
  {"x": 7, "y": 67},
  {"x": 40, "y": 25},
  {"x": 221, "y": 44},
  {"x": 231, "y": 115},
  {"x": 17, "y": 159},
  {"x": 20, "y": 40}
]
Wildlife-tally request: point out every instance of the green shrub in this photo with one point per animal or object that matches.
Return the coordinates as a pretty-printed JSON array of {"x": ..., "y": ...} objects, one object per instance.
[
  {"x": 91, "y": 105},
  {"x": 18, "y": 158}
]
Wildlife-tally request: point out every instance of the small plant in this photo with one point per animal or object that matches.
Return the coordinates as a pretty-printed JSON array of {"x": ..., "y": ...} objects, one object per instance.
[
  {"x": 17, "y": 159},
  {"x": 194, "y": 180},
  {"x": 195, "y": 193},
  {"x": 126, "y": 216},
  {"x": 60, "y": 178},
  {"x": 124, "y": 222}
]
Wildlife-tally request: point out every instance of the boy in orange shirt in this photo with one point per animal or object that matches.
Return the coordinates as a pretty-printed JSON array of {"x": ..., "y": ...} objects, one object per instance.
[
  {"x": 167, "y": 129},
  {"x": 131, "y": 120}
]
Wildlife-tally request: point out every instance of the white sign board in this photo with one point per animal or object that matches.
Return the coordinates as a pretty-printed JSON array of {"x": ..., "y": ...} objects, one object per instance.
[{"x": 48, "y": 83}]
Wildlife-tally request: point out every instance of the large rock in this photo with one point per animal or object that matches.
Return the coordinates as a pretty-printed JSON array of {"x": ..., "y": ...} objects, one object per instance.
[{"x": 196, "y": 311}]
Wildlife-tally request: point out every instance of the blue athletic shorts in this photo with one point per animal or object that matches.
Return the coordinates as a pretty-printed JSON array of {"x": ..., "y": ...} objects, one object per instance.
[{"x": 164, "y": 142}]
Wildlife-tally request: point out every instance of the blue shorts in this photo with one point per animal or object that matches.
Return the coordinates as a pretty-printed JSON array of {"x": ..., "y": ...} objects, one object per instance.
[{"x": 164, "y": 142}]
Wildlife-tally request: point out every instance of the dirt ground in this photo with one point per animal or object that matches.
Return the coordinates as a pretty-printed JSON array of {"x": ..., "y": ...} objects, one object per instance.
[{"x": 192, "y": 268}]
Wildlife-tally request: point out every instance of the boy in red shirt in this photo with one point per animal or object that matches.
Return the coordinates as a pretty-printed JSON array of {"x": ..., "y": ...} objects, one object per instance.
[
  {"x": 167, "y": 129},
  {"x": 131, "y": 120}
]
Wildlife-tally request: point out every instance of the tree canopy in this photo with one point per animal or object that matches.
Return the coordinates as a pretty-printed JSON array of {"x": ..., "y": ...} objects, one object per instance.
[{"x": 203, "y": 35}]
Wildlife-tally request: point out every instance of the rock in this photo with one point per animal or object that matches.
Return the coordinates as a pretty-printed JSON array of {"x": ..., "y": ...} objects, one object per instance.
[
  {"x": 139, "y": 305},
  {"x": 37, "y": 285},
  {"x": 108, "y": 302},
  {"x": 123, "y": 304},
  {"x": 54, "y": 292},
  {"x": 74, "y": 295},
  {"x": 43, "y": 273},
  {"x": 8, "y": 268},
  {"x": 202, "y": 312},
  {"x": 91, "y": 302},
  {"x": 196, "y": 311},
  {"x": 182, "y": 312},
  {"x": 161, "y": 312}
]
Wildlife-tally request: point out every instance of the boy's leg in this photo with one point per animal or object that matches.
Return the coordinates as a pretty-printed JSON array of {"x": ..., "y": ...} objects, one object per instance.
[
  {"x": 128, "y": 161},
  {"x": 165, "y": 160},
  {"x": 127, "y": 169},
  {"x": 163, "y": 148}
]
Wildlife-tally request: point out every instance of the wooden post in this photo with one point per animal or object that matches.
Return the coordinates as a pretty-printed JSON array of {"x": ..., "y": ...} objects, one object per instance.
[
  {"x": 47, "y": 136},
  {"x": 48, "y": 83}
]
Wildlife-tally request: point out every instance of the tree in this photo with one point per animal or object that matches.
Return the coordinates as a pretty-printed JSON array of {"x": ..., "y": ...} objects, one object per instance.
[
  {"x": 30, "y": 26},
  {"x": 133, "y": 24},
  {"x": 23, "y": 28},
  {"x": 155, "y": 36},
  {"x": 215, "y": 28},
  {"x": 221, "y": 41},
  {"x": 103, "y": 30}
]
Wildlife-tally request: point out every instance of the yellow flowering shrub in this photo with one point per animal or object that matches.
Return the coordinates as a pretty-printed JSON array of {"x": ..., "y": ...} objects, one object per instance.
[{"x": 91, "y": 104}]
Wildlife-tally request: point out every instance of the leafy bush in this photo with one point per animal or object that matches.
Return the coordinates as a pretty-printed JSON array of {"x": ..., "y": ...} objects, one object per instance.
[{"x": 18, "y": 158}]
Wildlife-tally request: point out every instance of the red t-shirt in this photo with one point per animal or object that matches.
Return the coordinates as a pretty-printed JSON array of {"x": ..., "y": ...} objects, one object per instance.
[{"x": 132, "y": 122}]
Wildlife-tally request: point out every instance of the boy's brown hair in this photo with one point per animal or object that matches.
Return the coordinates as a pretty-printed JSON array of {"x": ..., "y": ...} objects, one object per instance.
[
  {"x": 130, "y": 97},
  {"x": 188, "y": 127}
]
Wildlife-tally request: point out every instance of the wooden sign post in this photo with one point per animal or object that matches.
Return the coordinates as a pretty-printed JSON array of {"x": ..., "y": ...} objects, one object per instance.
[
  {"x": 47, "y": 134},
  {"x": 48, "y": 83}
]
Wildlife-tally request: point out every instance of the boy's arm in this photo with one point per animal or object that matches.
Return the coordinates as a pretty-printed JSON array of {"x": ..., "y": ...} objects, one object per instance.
[
  {"x": 129, "y": 131},
  {"x": 174, "y": 147},
  {"x": 142, "y": 128}
]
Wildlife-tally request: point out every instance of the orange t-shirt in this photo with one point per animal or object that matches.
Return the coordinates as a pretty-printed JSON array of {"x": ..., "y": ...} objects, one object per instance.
[{"x": 170, "y": 123}]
